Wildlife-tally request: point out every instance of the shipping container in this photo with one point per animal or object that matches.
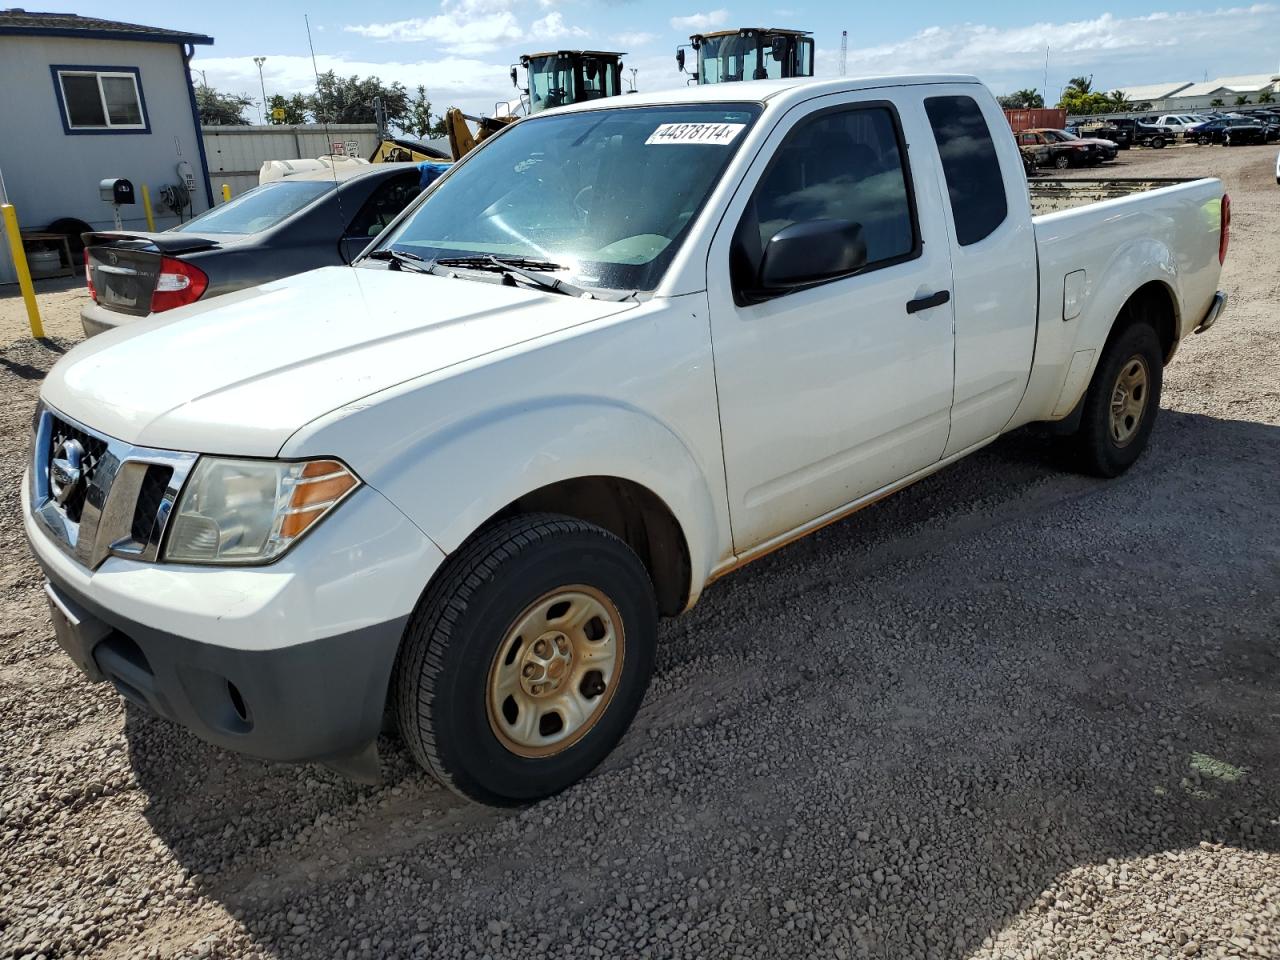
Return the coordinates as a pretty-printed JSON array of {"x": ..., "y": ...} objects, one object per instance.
[{"x": 1032, "y": 119}]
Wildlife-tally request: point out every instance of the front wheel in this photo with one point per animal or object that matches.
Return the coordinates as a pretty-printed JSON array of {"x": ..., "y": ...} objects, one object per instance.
[
  {"x": 1062, "y": 161},
  {"x": 1121, "y": 404},
  {"x": 1204, "y": 141},
  {"x": 526, "y": 659}
]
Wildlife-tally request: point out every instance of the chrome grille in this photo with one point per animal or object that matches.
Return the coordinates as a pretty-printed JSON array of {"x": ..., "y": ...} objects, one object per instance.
[
  {"x": 95, "y": 448},
  {"x": 122, "y": 496}
]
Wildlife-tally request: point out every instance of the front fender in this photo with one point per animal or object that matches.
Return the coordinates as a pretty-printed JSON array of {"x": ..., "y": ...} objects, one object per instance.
[{"x": 450, "y": 482}]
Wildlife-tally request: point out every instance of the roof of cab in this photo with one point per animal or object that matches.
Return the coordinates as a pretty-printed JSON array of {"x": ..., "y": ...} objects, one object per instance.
[{"x": 757, "y": 91}]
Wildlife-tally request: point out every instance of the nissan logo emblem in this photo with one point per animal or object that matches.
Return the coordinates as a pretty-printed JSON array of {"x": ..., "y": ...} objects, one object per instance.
[{"x": 65, "y": 470}]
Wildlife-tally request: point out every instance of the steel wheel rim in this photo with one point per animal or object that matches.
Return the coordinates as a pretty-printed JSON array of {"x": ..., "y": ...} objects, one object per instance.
[
  {"x": 1129, "y": 400},
  {"x": 556, "y": 671}
]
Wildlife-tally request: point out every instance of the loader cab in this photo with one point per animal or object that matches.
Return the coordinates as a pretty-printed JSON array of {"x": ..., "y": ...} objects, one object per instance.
[
  {"x": 569, "y": 76},
  {"x": 749, "y": 53}
]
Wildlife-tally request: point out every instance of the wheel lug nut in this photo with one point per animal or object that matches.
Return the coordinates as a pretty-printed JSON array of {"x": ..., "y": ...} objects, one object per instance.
[{"x": 530, "y": 670}]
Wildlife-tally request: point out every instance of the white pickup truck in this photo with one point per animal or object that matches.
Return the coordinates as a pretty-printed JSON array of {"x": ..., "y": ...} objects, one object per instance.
[{"x": 617, "y": 352}]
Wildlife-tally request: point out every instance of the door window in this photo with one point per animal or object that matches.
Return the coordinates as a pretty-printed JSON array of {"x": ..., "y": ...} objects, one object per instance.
[
  {"x": 846, "y": 164},
  {"x": 392, "y": 196},
  {"x": 975, "y": 183}
]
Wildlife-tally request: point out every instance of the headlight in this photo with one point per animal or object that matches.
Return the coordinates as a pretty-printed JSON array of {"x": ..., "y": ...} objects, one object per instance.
[{"x": 251, "y": 511}]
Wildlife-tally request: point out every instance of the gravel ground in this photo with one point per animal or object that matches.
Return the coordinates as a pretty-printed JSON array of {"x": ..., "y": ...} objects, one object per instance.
[{"x": 1010, "y": 712}]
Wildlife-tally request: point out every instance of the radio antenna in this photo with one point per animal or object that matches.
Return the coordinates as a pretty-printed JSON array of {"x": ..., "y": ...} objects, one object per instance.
[{"x": 324, "y": 119}]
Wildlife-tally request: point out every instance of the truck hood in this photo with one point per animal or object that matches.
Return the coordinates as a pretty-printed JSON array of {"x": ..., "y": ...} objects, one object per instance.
[{"x": 241, "y": 373}]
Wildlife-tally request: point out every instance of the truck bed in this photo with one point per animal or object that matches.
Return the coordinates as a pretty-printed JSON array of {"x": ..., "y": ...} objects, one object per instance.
[{"x": 1053, "y": 195}]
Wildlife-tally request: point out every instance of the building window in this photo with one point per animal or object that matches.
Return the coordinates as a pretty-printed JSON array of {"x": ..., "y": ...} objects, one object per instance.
[{"x": 101, "y": 99}]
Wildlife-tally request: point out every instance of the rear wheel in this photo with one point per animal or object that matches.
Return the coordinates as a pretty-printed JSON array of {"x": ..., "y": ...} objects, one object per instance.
[
  {"x": 1122, "y": 401},
  {"x": 1157, "y": 143},
  {"x": 527, "y": 659}
]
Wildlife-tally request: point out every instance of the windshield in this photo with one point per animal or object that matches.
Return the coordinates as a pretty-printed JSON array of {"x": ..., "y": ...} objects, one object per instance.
[
  {"x": 607, "y": 194},
  {"x": 1059, "y": 135},
  {"x": 259, "y": 208}
]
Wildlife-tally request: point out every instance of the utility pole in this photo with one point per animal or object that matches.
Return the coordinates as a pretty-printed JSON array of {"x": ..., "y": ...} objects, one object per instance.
[
  {"x": 1045, "y": 95},
  {"x": 262, "y": 111},
  {"x": 844, "y": 51}
]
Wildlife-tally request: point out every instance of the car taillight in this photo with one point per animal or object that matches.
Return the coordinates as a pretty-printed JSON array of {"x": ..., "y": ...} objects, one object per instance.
[
  {"x": 179, "y": 283},
  {"x": 1224, "y": 237},
  {"x": 88, "y": 277}
]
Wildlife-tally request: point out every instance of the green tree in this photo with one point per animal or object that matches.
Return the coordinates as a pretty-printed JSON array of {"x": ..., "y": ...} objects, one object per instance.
[
  {"x": 1119, "y": 102},
  {"x": 1081, "y": 103},
  {"x": 1216, "y": 102},
  {"x": 350, "y": 100},
  {"x": 1027, "y": 99},
  {"x": 295, "y": 109},
  {"x": 419, "y": 122},
  {"x": 218, "y": 109},
  {"x": 1081, "y": 85},
  {"x": 1266, "y": 97},
  {"x": 1241, "y": 101}
]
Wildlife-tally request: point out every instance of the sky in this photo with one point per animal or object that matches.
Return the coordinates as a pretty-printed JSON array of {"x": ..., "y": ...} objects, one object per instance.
[{"x": 462, "y": 50}]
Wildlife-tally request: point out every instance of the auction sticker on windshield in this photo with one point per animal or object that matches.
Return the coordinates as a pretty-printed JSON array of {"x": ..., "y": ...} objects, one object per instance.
[{"x": 716, "y": 134}]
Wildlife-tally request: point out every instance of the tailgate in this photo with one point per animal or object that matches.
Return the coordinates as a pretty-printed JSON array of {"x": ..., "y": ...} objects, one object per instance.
[{"x": 123, "y": 267}]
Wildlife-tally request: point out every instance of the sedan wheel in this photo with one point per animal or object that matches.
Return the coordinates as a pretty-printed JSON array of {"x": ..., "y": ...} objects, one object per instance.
[{"x": 1062, "y": 161}]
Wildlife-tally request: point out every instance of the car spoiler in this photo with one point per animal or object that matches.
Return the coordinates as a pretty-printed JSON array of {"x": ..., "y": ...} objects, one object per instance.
[{"x": 173, "y": 243}]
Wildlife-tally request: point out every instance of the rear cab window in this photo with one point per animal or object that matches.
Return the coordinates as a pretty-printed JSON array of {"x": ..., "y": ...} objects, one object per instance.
[{"x": 975, "y": 182}]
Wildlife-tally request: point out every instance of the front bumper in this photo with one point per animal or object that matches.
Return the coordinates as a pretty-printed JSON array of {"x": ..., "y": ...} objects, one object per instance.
[{"x": 289, "y": 661}]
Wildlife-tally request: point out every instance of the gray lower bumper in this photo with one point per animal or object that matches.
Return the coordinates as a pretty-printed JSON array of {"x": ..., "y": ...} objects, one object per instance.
[
  {"x": 96, "y": 319},
  {"x": 1215, "y": 309},
  {"x": 321, "y": 700}
]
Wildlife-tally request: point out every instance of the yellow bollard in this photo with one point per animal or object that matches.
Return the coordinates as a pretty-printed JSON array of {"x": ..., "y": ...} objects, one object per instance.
[
  {"x": 226, "y": 192},
  {"x": 20, "y": 264},
  {"x": 146, "y": 208}
]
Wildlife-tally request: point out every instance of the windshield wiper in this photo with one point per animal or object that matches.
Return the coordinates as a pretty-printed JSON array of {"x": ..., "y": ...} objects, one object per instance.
[
  {"x": 402, "y": 260},
  {"x": 522, "y": 267}
]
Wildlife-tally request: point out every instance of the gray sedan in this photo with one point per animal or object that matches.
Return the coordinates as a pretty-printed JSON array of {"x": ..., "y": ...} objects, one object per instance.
[{"x": 301, "y": 222}]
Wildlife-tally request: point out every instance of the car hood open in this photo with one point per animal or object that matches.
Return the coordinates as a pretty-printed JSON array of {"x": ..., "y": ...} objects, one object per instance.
[{"x": 239, "y": 374}]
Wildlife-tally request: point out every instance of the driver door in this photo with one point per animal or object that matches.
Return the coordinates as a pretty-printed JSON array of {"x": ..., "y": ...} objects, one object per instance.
[{"x": 832, "y": 392}]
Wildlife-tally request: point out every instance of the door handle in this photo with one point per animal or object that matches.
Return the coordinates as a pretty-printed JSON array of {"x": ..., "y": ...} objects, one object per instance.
[{"x": 925, "y": 303}]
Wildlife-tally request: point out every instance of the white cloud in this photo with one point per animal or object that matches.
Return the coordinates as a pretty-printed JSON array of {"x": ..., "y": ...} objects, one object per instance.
[
  {"x": 698, "y": 22},
  {"x": 462, "y": 26},
  {"x": 1119, "y": 50},
  {"x": 472, "y": 84},
  {"x": 637, "y": 38},
  {"x": 552, "y": 27}
]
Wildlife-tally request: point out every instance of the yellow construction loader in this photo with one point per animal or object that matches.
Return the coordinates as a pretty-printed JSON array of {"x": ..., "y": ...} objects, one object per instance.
[
  {"x": 749, "y": 53},
  {"x": 552, "y": 79}
]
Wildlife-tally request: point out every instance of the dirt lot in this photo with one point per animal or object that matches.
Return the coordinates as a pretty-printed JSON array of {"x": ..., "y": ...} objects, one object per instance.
[{"x": 1011, "y": 712}]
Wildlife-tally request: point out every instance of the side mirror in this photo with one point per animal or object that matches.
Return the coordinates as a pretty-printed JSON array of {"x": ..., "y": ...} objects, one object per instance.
[
  {"x": 680, "y": 59},
  {"x": 514, "y": 81},
  {"x": 810, "y": 252}
]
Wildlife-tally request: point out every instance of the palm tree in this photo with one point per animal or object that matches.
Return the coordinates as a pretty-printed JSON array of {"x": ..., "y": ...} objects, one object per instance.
[
  {"x": 1081, "y": 85},
  {"x": 1119, "y": 101},
  {"x": 1266, "y": 97}
]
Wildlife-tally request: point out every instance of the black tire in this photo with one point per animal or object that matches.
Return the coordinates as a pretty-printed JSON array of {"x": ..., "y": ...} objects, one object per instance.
[
  {"x": 1097, "y": 449},
  {"x": 1157, "y": 143},
  {"x": 440, "y": 687},
  {"x": 1062, "y": 161},
  {"x": 1204, "y": 141}
]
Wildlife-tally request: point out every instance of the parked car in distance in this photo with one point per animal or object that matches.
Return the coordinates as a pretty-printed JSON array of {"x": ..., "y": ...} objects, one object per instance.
[
  {"x": 624, "y": 348},
  {"x": 298, "y": 223},
  {"x": 1060, "y": 149},
  {"x": 1178, "y": 123},
  {"x": 1120, "y": 136},
  {"x": 1230, "y": 131}
]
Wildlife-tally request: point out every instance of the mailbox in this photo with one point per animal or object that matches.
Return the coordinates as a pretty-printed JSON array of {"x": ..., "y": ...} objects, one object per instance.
[{"x": 117, "y": 191}]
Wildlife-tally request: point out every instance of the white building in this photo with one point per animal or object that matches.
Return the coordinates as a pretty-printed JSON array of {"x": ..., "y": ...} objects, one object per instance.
[
  {"x": 1180, "y": 96},
  {"x": 89, "y": 99}
]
